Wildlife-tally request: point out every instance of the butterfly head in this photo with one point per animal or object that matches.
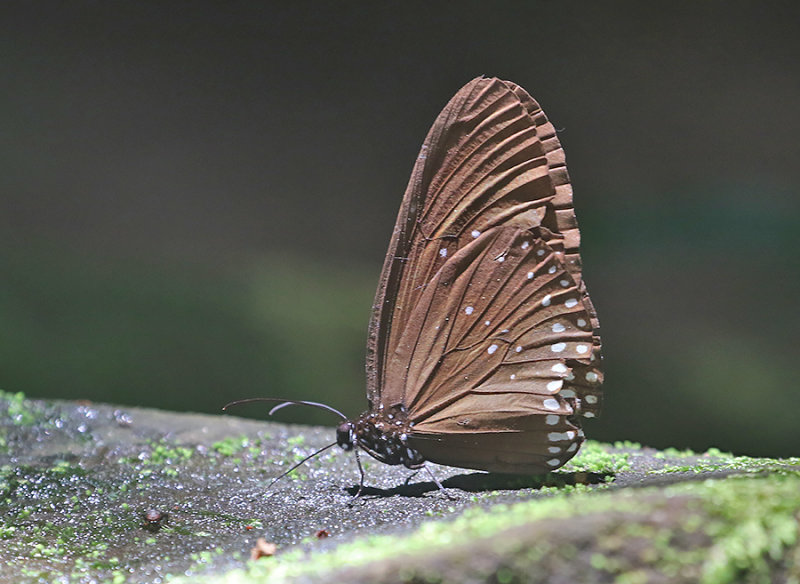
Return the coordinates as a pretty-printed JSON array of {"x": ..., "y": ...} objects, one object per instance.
[{"x": 346, "y": 435}]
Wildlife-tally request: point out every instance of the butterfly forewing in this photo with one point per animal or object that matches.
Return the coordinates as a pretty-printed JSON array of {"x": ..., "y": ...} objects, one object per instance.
[
  {"x": 439, "y": 214},
  {"x": 482, "y": 330}
]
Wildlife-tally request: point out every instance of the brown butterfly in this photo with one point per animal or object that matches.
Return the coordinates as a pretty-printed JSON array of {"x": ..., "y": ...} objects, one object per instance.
[{"x": 483, "y": 348}]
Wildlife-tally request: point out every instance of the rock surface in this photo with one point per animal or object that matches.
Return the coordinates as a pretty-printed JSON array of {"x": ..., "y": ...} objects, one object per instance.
[{"x": 97, "y": 493}]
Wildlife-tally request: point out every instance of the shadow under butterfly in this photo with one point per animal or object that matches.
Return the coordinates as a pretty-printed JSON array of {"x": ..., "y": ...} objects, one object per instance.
[{"x": 484, "y": 348}]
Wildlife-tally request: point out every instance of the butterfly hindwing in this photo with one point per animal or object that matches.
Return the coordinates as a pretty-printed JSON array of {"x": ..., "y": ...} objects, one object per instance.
[{"x": 486, "y": 356}]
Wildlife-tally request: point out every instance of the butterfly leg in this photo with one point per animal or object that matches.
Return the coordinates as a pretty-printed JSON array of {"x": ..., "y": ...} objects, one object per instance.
[
  {"x": 361, "y": 481},
  {"x": 411, "y": 476},
  {"x": 438, "y": 484}
]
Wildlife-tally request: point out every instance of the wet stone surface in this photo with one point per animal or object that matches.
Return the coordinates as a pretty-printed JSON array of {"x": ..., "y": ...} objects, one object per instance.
[{"x": 97, "y": 493}]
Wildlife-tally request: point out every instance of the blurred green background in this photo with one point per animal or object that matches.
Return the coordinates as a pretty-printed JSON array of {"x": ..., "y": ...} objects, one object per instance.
[{"x": 195, "y": 198}]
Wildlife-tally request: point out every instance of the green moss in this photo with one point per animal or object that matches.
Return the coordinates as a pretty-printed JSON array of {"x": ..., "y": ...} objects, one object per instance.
[
  {"x": 627, "y": 445},
  {"x": 715, "y": 531},
  {"x": 16, "y": 408},
  {"x": 752, "y": 524},
  {"x": 159, "y": 455},
  {"x": 163, "y": 453},
  {"x": 596, "y": 457},
  {"x": 740, "y": 526},
  {"x": 236, "y": 444},
  {"x": 669, "y": 453},
  {"x": 82, "y": 529},
  {"x": 298, "y": 440},
  {"x": 738, "y": 464}
]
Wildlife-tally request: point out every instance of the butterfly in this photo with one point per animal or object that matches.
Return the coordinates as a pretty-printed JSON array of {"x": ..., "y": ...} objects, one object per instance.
[{"x": 483, "y": 349}]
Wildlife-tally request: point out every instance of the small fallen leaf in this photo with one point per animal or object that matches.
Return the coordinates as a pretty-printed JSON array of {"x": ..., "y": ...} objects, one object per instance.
[{"x": 263, "y": 549}]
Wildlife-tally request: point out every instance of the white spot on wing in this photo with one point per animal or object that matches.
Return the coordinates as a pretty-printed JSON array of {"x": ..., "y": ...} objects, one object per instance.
[
  {"x": 525, "y": 245},
  {"x": 564, "y": 283},
  {"x": 581, "y": 323},
  {"x": 491, "y": 349},
  {"x": 591, "y": 376},
  {"x": 570, "y": 302},
  {"x": 558, "y": 347},
  {"x": 554, "y": 462},
  {"x": 552, "y": 270},
  {"x": 443, "y": 252},
  {"x": 475, "y": 233},
  {"x": 554, "y": 386},
  {"x": 588, "y": 414},
  {"x": 488, "y": 322},
  {"x": 582, "y": 349},
  {"x": 540, "y": 252},
  {"x": 591, "y": 399},
  {"x": 546, "y": 300},
  {"x": 550, "y": 403},
  {"x": 469, "y": 310},
  {"x": 553, "y": 449},
  {"x": 559, "y": 368},
  {"x": 512, "y": 376},
  {"x": 572, "y": 447},
  {"x": 567, "y": 393},
  {"x": 518, "y": 349},
  {"x": 558, "y": 327},
  {"x": 530, "y": 275},
  {"x": 551, "y": 419}
]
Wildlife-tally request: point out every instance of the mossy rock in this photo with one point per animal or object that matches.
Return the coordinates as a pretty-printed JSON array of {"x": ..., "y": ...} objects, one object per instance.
[{"x": 95, "y": 493}]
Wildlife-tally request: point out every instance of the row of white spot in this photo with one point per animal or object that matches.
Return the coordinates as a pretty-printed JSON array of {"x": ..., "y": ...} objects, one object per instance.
[
  {"x": 550, "y": 270},
  {"x": 525, "y": 245},
  {"x": 554, "y": 386},
  {"x": 581, "y": 349},
  {"x": 557, "y": 385},
  {"x": 553, "y": 405},
  {"x": 555, "y": 347},
  {"x": 475, "y": 235},
  {"x": 558, "y": 437},
  {"x": 569, "y": 302}
]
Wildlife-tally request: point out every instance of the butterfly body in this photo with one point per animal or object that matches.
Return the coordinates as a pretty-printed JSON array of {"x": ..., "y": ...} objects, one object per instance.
[
  {"x": 483, "y": 349},
  {"x": 384, "y": 434}
]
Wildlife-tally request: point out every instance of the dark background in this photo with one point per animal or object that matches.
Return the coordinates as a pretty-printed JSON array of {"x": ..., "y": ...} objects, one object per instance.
[{"x": 196, "y": 197}]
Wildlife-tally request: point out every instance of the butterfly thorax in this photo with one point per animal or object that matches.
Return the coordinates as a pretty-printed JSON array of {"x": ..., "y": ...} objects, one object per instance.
[{"x": 383, "y": 434}]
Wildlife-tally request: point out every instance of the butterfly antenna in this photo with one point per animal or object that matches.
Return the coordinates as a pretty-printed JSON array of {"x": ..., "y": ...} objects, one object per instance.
[
  {"x": 283, "y": 403},
  {"x": 280, "y": 476}
]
